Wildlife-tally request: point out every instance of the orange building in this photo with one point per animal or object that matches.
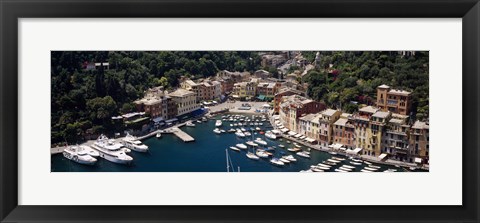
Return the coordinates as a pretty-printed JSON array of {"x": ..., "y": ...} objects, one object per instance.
[{"x": 396, "y": 101}]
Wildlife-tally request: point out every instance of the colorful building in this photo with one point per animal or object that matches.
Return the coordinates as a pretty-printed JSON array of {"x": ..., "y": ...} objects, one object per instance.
[
  {"x": 396, "y": 138},
  {"x": 362, "y": 128},
  {"x": 281, "y": 93},
  {"x": 396, "y": 101},
  {"x": 378, "y": 123},
  {"x": 419, "y": 142},
  {"x": 328, "y": 118},
  {"x": 344, "y": 131},
  {"x": 295, "y": 106}
]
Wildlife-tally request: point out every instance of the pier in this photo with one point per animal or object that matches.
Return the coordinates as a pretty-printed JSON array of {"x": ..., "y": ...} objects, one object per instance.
[
  {"x": 57, "y": 150},
  {"x": 182, "y": 135}
]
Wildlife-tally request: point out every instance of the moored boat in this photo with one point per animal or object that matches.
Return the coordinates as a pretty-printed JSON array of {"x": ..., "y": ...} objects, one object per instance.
[
  {"x": 260, "y": 141},
  {"x": 79, "y": 155},
  {"x": 234, "y": 148},
  {"x": 111, "y": 151},
  {"x": 252, "y": 156},
  {"x": 241, "y": 146},
  {"x": 134, "y": 144},
  {"x": 289, "y": 158},
  {"x": 303, "y": 154},
  {"x": 270, "y": 135},
  {"x": 276, "y": 161},
  {"x": 239, "y": 134},
  {"x": 261, "y": 154}
]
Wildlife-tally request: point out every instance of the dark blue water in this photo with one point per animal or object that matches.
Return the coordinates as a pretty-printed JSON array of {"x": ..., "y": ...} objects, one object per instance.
[{"x": 205, "y": 154}]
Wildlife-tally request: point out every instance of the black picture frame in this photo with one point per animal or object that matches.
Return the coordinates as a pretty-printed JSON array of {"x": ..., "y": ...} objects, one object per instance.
[{"x": 11, "y": 11}]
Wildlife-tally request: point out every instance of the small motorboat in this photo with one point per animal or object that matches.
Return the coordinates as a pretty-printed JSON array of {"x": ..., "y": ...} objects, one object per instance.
[
  {"x": 345, "y": 169},
  {"x": 250, "y": 143},
  {"x": 260, "y": 141},
  {"x": 261, "y": 154},
  {"x": 294, "y": 149},
  {"x": 281, "y": 146},
  {"x": 370, "y": 169},
  {"x": 159, "y": 135},
  {"x": 289, "y": 158},
  {"x": 303, "y": 154},
  {"x": 252, "y": 156},
  {"x": 190, "y": 124},
  {"x": 338, "y": 158},
  {"x": 240, "y": 134},
  {"x": 333, "y": 161},
  {"x": 355, "y": 163},
  {"x": 350, "y": 167},
  {"x": 366, "y": 171},
  {"x": 284, "y": 160},
  {"x": 241, "y": 146},
  {"x": 341, "y": 171},
  {"x": 234, "y": 148},
  {"x": 276, "y": 161},
  {"x": 324, "y": 165},
  {"x": 316, "y": 169},
  {"x": 217, "y": 131}
]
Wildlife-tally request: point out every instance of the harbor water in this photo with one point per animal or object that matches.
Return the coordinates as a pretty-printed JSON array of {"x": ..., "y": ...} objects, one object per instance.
[{"x": 206, "y": 154}]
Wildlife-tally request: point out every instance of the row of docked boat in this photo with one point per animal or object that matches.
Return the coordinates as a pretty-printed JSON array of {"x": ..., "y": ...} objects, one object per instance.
[
  {"x": 106, "y": 148},
  {"x": 242, "y": 118}
]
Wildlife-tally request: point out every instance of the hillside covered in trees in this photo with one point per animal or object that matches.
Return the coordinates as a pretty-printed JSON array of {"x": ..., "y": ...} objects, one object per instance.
[
  {"x": 87, "y": 99},
  {"x": 344, "y": 80}
]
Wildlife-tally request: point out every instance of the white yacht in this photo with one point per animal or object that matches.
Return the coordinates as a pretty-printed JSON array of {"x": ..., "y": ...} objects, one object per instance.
[
  {"x": 241, "y": 146},
  {"x": 260, "y": 141},
  {"x": 270, "y": 135},
  {"x": 284, "y": 160},
  {"x": 90, "y": 151},
  {"x": 79, "y": 155},
  {"x": 111, "y": 151},
  {"x": 218, "y": 123},
  {"x": 247, "y": 133},
  {"x": 250, "y": 143},
  {"x": 134, "y": 144}
]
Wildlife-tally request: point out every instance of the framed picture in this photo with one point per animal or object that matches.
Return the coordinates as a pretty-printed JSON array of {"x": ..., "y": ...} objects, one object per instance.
[{"x": 239, "y": 111}]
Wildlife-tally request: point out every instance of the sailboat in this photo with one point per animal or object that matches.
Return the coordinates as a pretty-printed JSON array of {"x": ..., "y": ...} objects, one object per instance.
[{"x": 229, "y": 162}]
